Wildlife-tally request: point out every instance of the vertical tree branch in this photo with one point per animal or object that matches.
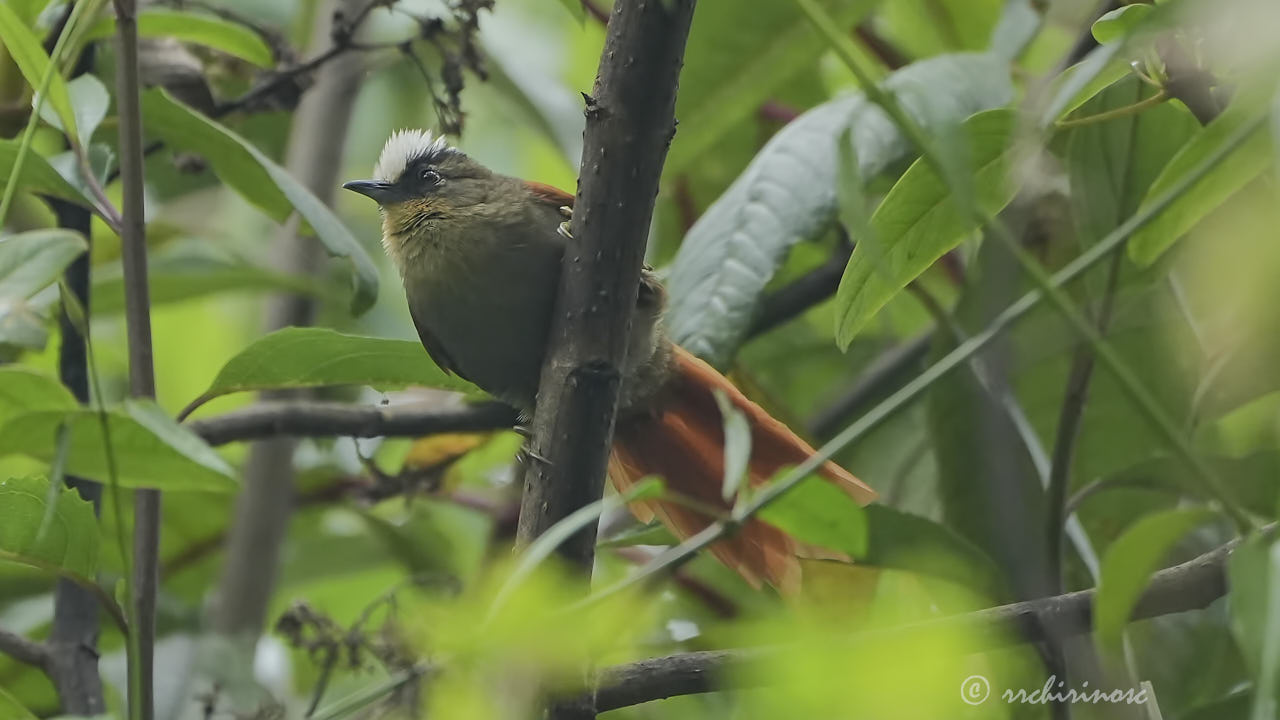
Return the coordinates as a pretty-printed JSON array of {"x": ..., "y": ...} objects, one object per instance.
[
  {"x": 73, "y": 640},
  {"x": 630, "y": 122},
  {"x": 264, "y": 507},
  {"x": 142, "y": 381}
]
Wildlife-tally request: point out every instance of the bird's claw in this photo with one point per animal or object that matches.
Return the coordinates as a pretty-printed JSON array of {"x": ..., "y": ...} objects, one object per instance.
[
  {"x": 567, "y": 212},
  {"x": 526, "y": 455}
]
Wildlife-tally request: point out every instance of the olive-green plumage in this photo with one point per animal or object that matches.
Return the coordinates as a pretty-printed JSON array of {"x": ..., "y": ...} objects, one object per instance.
[{"x": 480, "y": 257}]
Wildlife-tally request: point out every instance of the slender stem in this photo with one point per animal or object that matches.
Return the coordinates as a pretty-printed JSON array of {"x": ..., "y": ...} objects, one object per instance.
[
  {"x": 23, "y": 650},
  {"x": 146, "y": 520},
  {"x": 1119, "y": 112}
]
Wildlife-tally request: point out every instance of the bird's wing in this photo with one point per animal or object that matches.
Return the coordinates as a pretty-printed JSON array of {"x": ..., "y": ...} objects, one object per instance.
[
  {"x": 434, "y": 348},
  {"x": 553, "y": 196}
]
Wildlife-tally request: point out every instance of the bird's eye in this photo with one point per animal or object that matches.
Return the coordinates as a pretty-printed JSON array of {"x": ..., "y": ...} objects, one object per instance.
[{"x": 428, "y": 175}]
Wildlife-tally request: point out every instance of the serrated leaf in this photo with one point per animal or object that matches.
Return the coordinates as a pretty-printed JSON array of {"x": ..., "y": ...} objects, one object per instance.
[
  {"x": 89, "y": 103},
  {"x": 787, "y": 194},
  {"x": 196, "y": 28},
  {"x": 819, "y": 513},
  {"x": 150, "y": 449},
  {"x": 30, "y": 262},
  {"x": 735, "y": 59},
  {"x": 1115, "y": 24},
  {"x": 68, "y": 544},
  {"x": 1129, "y": 563},
  {"x": 28, "y": 54},
  {"x": 37, "y": 175},
  {"x": 242, "y": 166},
  {"x": 318, "y": 357},
  {"x": 919, "y": 221},
  {"x": 737, "y": 446},
  {"x": 1235, "y": 171}
]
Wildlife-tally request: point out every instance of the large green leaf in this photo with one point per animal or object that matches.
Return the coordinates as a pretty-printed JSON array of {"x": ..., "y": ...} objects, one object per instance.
[
  {"x": 67, "y": 543},
  {"x": 198, "y": 28},
  {"x": 1131, "y": 560},
  {"x": 1242, "y": 165},
  {"x": 1111, "y": 164},
  {"x": 90, "y": 100},
  {"x": 149, "y": 449},
  {"x": 317, "y": 357},
  {"x": 186, "y": 274},
  {"x": 37, "y": 175},
  {"x": 787, "y": 194},
  {"x": 1254, "y": 578},
  {"x": 739, "y": 52},
  {"x": 261, "y": 181},
  {"x": 12, "y": 709},
  {"x": 24, "y": 390},
  {"x": 29, "y": 55},
  {"x": 908, "y": 542},
  {"x": 919, "y": 221},
  {"x": 820, "y": 513},
  {"x": 30, "y": 262}
]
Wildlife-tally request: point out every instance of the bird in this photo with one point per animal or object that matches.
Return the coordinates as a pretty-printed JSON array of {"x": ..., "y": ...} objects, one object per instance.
[{"x": 480, "y": 254}]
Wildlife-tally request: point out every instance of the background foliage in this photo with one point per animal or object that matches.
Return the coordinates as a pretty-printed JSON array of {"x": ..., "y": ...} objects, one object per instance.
[{"x": 856, "y": 191}]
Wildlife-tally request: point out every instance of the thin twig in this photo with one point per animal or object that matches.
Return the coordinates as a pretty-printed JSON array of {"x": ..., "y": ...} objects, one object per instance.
[
  {"x": 29, "y": 652},
  {"x": 301, "y": 418},
  {"x": 142, "y": 383},
  {"x": 1119, "y": 112}
]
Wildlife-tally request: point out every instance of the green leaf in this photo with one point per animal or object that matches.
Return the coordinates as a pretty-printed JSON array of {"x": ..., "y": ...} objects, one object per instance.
[
  {"x": 819, "y": 513},
  {"x": 1253, "y": 576},
  {"x": 30, "y": 262},
  {"x": 787, "y": 194},
  {"x": 24, "y": 390},
  {"x": 240, "y": 164},
  {"x": 575, "y": 9},
  {"x": 197, "y": 28},
  {"x": 739, "y": 53},
  {"x": 89, "y": 103},
  {"x": 150, "y": 449},
  {"x": 1116, "y": 23},
  {"x": 737, "y": 446},
  {"x": 903, "y": 541},
  {"x": 37, "y": 175},
  {"x": 1235, "y": 171},
  {"x": 189, "y": 273},
  {"x": 317, "y": 357},
  {"x": 1111, "y": 164},
  {"x": 69, "y": 543},
  {"x": 546, "y": 543},
  {"x": 29, "y": 55},
  {"x": 12, "y": 709},
  {"x": 1131, "y": 560},
  {"x": 654, "y": 533},
  {"x": 919, "y": 221}
]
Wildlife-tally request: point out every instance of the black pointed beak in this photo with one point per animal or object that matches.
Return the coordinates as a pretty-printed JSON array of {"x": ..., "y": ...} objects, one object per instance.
[{"x": 379, "y": 191}]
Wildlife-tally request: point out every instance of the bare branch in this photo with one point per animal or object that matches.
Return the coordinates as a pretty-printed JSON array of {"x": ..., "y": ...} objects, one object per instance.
[
  {"x": 23, "y": 650},
  {"x": 1193, "y": 585},
  {"x": 319, "y": 419}
]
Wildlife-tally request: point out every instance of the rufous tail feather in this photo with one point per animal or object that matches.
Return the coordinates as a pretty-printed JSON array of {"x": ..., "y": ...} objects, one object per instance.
[{"x": 682, "y": 440}]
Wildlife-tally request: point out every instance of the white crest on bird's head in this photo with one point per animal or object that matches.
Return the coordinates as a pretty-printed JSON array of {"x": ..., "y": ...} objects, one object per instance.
[{"x": 404, "y": 147}]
